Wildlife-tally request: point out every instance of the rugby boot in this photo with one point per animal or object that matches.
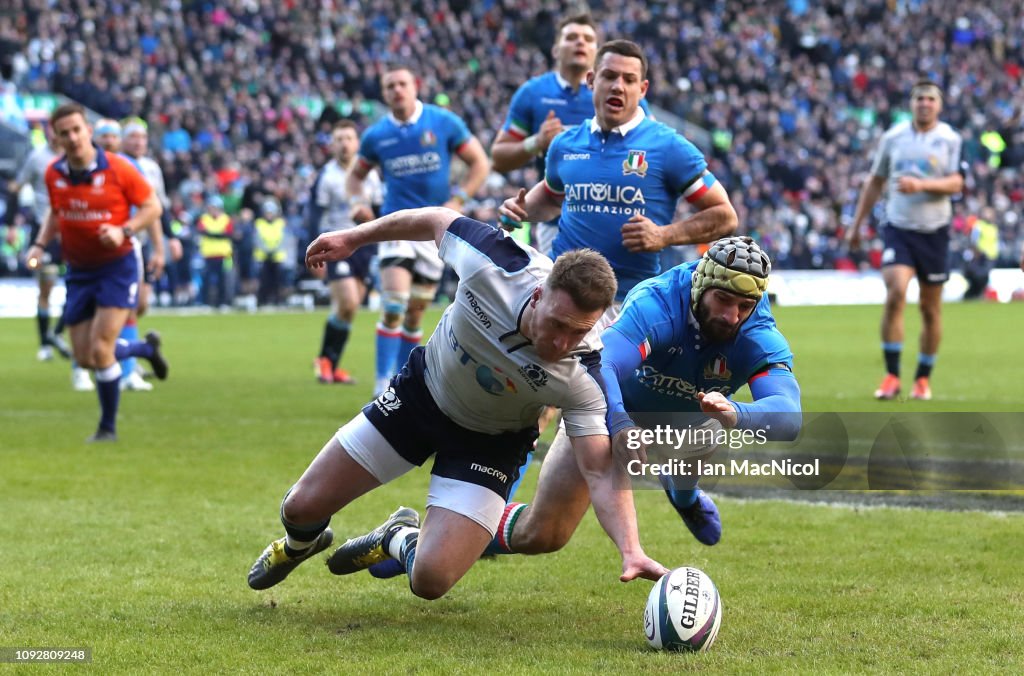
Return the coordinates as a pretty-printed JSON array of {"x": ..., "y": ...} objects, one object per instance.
[
  {"x": 362, "y": 552},
  {"x": 275, "y": 565}
]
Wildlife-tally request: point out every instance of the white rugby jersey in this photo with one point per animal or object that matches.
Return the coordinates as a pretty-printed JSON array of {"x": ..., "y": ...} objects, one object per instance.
[
  {"x": 330, "y": 196},
  {"x": 904, "y": 151},
  {"x": 482, "y": 372}
]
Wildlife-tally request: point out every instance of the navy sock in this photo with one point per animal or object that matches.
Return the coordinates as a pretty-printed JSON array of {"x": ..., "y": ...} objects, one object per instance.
[
  {"x": 925, "y": 362},
  {"x": 108, "y": 388},
  {"x": 335, "y": 338},
  {"x": 43, "y": 326},
  {"x": 891, "y": 352}
]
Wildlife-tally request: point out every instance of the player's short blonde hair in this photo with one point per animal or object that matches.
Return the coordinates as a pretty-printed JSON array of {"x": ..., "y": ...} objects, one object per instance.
[{"x": 587, "y": 277}]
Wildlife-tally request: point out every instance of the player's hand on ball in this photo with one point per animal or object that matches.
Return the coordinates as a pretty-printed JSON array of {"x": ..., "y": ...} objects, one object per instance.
[
  {"x": 718, "y": 406},
  {"x": 512, "y": 212},
  {"x": 641, "y": 565}
]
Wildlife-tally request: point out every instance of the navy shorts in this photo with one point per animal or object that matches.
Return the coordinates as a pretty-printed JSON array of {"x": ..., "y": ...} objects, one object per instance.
[
  {"x": 115, "y": 284},
  {"x": 926, "y": 252},
  {"x": 407, "y": 417},
  {"x": 356, "y": 266}
]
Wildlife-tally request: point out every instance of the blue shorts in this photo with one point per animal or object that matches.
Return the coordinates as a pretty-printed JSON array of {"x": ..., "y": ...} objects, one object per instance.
[
  {"x": 409, "y": 419},
  {"x": 356, "y": 266},
  {"x": 115, "y": 284},
  {"x": 926, "y": 252}
]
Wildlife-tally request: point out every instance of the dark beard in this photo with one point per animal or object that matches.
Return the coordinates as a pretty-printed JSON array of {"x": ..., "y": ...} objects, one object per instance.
[{"x": 714, "y": 330}]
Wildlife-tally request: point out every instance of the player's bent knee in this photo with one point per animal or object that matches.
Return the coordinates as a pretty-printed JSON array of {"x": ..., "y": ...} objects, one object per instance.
[
  {"x": 302, "y": 506},
  {"x": 430, "y": 585}
]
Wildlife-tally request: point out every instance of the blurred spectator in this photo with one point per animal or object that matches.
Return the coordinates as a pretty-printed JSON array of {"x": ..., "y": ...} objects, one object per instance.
[
  {"x": 794, "y": 94},
  {"x": 270, "y": 252},
  {"x": 215, "y": 234}
]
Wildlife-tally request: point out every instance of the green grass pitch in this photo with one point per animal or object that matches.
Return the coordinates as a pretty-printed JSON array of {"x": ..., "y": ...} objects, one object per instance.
[{"x": 140, "y": 549}]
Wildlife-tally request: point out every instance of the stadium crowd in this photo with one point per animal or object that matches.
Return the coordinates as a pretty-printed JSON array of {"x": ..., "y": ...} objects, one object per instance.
[{"x": 240, "y": 95}]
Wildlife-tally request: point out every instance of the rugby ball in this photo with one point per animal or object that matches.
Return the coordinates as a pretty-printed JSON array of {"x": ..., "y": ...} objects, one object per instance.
[{"x": 684, "y": 611}]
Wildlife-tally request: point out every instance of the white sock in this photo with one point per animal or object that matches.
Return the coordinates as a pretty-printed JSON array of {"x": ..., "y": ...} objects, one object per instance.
[
  {"x": 398, "y": 539},
  {"x": 297, "y": 545}
]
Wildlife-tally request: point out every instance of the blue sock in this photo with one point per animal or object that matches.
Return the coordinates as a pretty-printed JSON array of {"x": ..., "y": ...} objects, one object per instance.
[
  {"x": 389, "y": 342},
  {"x": 124, "y": 349},
  {"x": 108, "y": 388},
  {"x": 129, "y": 334},
  {"x": 682, "y": 497},
  {"x": 410, "y": 339},
  {"x": 522, "y": 473}
]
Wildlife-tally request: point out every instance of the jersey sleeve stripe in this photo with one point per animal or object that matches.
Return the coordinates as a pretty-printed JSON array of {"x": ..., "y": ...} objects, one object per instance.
[
  {"x": 492, "y": 243},
  {"x": 547, "y": 186},
  {"x": 698, "y": 187},
  {"x": 517, "y": 130},
  {"x": 645, "y": 348}
]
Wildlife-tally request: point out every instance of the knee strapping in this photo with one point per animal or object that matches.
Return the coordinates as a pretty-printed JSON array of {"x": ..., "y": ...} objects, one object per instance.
[
  {"x": 394, "y": 302},
  {"x": 424, "y": 292}
]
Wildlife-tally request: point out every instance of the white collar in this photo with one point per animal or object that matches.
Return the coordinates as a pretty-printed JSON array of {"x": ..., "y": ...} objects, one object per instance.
[
  {"x": 413, "y": 119},
  {"x": 622, "y": 129}
]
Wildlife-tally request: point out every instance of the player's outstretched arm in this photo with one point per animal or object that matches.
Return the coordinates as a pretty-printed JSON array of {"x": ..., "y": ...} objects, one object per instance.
[
  {"x": 613, "y": 504},
  {"x": 418, "y": 225}
]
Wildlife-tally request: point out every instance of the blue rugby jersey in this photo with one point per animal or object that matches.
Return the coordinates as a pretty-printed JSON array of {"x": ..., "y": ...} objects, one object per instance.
[
  {"x": 540, "y": 95},
  {"x": 677, "y": 362},
  {"x": 415, "y": 156},
  {"x": 641, "y": 167}
]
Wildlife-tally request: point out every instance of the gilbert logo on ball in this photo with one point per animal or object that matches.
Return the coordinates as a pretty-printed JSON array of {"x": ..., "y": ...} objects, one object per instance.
[{"x": 684, "y": 611}]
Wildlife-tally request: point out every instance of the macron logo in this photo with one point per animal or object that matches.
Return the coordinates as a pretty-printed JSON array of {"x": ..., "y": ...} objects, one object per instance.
[{"x": 497, "y": 474}]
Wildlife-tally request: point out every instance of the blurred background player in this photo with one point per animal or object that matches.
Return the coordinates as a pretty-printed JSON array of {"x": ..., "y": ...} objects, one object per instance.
[
  {"x": 91, "y": 195},
  {"x": 330, "y": 208},
  {"x": 107, "y": 135},
  {"x": 134, "y": 146},
  {"x": 919, "y": 165},
  {"x": 614, "y": 183},
  {"x": 33, "y": 173},
  {"x": 413, "y": 146},
  {"x": 547, "y": 105}
]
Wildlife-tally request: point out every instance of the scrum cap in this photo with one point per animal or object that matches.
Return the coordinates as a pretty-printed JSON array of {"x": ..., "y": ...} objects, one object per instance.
[{"x": 735, "y": 264}]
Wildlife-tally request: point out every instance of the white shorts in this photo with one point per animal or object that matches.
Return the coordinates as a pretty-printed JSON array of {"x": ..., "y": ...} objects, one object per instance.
[
  {"x": 368, "y": 447},
  {"x": 426, "y": 262}
]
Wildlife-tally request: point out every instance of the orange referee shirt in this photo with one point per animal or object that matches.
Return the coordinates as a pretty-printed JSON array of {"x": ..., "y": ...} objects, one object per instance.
[{"x": 82, "y": 201}]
